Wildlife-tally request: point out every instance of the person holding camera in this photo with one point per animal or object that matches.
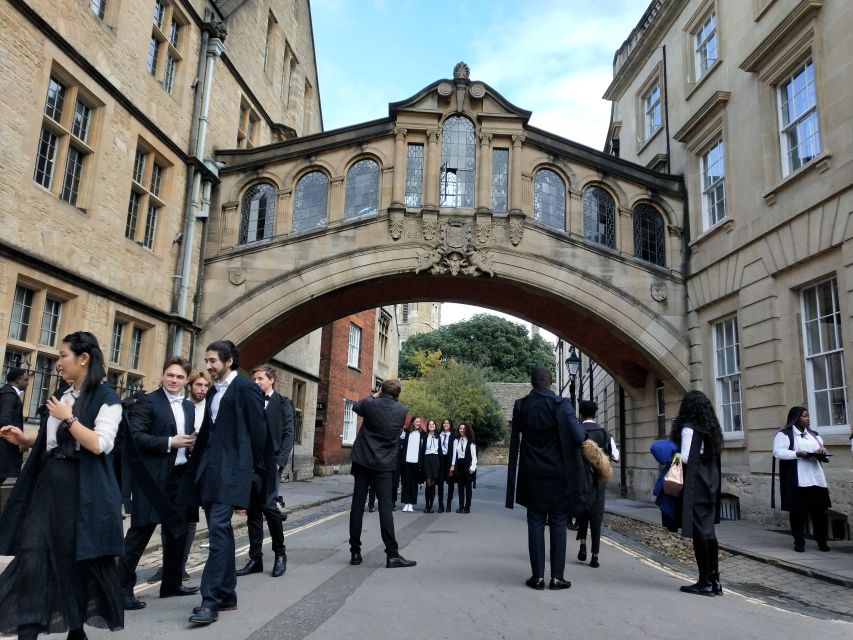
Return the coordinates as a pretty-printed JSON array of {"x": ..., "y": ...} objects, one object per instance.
[{"x": 801, "y": 480}]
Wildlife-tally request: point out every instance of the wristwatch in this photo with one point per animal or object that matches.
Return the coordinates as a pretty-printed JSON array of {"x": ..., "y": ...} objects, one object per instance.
[{"x": 68, "y": 422}]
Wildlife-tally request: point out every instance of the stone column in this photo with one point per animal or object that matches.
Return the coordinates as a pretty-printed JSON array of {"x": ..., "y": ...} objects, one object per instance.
[
  {"x": 484, "y": 173},
  {"x": 388, "y": 177},
  {"x": 515, "y": 173},
  {"x": 229, "y": 225},
  {"x": 283, "y": 214},
  {"x": 398, "y": 191},
  {"x": 625, "y": 233},
  {"x": 433, "y": 166},
  {"x": 574, "y": 212},
  {"x": 336, "y": 201}
]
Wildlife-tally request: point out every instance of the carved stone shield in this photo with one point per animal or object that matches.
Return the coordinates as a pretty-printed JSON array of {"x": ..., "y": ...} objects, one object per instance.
[{"x": 456, "y": 234}]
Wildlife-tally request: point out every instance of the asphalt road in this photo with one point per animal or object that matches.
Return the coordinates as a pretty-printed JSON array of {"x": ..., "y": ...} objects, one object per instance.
[{"x": 469, "y": 583}]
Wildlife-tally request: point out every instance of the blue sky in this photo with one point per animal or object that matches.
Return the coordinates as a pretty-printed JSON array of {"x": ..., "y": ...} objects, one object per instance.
[{"x": 551, "y": 57}]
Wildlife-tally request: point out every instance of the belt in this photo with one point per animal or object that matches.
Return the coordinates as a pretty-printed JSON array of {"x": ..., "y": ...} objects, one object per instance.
[{"x": 56, "y": 454}]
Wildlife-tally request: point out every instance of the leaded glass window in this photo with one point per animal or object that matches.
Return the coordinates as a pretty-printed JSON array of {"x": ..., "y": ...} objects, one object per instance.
[
  {"x": 458, "y": 161},
  {"x": 599, "y": 217},
  {"x": 132, "y": 215},
  {"x": 44, "y": 380},
  {"x": 500, "y": 179},
  {"x": 98, "y": 7},
  {"x": 73, "y": 171},
  {"x": 19, "y": 322},
  {"x": 362, "y": 197},
  {"x": 549, "y": 199},
  {"x": 50, "y": 322},
  {"x": 45, "y": 158},
  {"x": 310, "y": 203},
  {"x": 55, "y": 100},
  {"x": 150, "y": 226},
  {"x": 649, "y": 235},
  {"x": 257, "y": 213},
  {"x": 116, "y": 342},
  {"x": 82, "y": 120},
  {"x": 414, "y": 175}
]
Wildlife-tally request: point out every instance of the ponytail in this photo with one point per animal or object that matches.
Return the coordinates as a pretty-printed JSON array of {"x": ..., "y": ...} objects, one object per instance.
[{"x": 81, "y": 342}]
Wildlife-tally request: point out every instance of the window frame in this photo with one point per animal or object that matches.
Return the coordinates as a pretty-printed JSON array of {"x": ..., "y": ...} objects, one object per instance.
[
  {"x": 165, "y": 38},
  {"x": 349, "y": 428},
  {"x": 812, "y": 112},
  {"x": 310, "y": 221},
  {"x": 465, "y": 176},
  {"x": 500, "y": 181},
  {"x": 708, "y": 188},
  {"x": 366, "y": 202},
  {"x": 731, "y": 377},
  {"x": 610, "y": 223},
  {"x": 384, "y": 333},
  {"x": 539, "y": 194},
  {"x": 149, "y": 186},
  {"x": 663, "y": 225},
  {"x": 414, "y": 195},
  {"x": 354, "y": 346},
  {"x": 260, "y": 233},
  {"x": 247, "y": 126},
  {"x": 654, "y": 80}
]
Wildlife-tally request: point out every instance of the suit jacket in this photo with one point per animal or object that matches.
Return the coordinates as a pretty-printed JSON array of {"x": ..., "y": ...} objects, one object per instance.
[
  {"x": 376, "y": 445},
  {"x": 152, "y": 423},
  {"x": 446, "y": 459},
  {"x": 551, "y": 472},
  {"x": 11, "y": 413},
  {"x": 231, "y": 452},
  {"x": 280, "y": 421}
]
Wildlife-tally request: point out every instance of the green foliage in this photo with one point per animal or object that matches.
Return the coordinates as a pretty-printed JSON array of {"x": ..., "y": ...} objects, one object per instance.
[
  {"x": 502, "y": 348},
  {"x": 425, "y": 361},
  {"x": 456, "y": 391}
]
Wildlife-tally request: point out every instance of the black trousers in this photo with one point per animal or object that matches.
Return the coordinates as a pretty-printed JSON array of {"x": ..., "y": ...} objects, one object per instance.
[
  {"x": 810, "y": 503},
  {"x": 371, "y": 496},
  {"x": 135, "y": 541},
  {"x": 591, "y": 519},
  {"x": 395, "y": 483},
  {"x": 256, "y": 513},
  {"x": 409, "y": 494},
  {"x": 463, "y": 479},
  {"x": 536, "y": 542},
  {"x": 382, "y": 481},
  {"x": 219, "y": 579}
]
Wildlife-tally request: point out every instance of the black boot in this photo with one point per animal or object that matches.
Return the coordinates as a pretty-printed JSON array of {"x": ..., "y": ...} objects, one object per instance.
[
  {"x": 252, "y": 566},
  {"x": 714, "y": 566},
  {"x": 280, "y": 564},
  {"x": 430, "y": 498},
  {"x": 703, "y": 586}
]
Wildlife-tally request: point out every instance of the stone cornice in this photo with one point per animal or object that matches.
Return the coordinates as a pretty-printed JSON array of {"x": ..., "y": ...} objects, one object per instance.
[
  {"x": 780, "y": 35},
  {"x": 711, "y": 107}
]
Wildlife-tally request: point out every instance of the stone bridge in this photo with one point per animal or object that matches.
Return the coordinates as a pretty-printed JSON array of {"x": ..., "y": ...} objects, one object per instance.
[{"x": 453, "y": 197}]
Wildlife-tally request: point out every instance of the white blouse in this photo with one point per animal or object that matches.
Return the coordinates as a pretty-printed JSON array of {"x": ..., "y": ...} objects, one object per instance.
[
  {"x": 106, "y": 423},
  {"x": 431, "y": 446},
  {"x": 459, "y": 452},
  {"x": 809, "y": 471},
  {"x": 413, "y": 446}
]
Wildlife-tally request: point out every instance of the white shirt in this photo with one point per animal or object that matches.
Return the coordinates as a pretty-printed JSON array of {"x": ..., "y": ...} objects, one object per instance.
[
  {"x": 431, "y": 446},
  {"x": 221, "y": 388},
  {"x": 686, "y": 442},
  {"x": 809, "y": 471},
  {"x": 106, "y": 423},
  {"x": 614, "y": 451},
  {"x": 459, "y": 452},
  {"x": 445, "y": 438},
  {"x": 199, "y": 413},
  {"x": 176, "y": 403},
  {"x": 413, "y": 446},
  {"x": 20, "y": 392}
]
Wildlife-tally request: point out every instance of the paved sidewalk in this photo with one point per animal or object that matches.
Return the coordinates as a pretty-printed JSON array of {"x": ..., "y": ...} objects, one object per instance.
[{"x": 758, "y": 542}]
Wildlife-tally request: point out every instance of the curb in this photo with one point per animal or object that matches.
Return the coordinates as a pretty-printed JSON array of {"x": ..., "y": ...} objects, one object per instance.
[{"x": 779, "y": 564}]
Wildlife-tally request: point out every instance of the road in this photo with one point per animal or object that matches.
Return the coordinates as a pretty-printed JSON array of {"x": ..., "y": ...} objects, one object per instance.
[{"x": 469, "y": 583}]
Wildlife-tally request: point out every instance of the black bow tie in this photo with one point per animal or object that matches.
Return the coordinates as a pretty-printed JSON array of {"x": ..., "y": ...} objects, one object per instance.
[{"x": 266, "y": 397}]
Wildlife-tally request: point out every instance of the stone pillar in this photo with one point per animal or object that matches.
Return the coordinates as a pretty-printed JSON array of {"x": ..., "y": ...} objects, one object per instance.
[
  {"x": 283, "y": 213},
  {"x": 515, "y": 173},
  {"x": 398, "y": 191},
  {"x": 388, "y": 178},
  {"x": 336, "y": 201},
  {"x": 673, "y": 246},
  {"x": 433, "y": 167},
  {"x": 574, "y": 212},
  {"x": 484, "y": 173},
  {"x": 625, "y": 232},
  {"x": 229, "y": 225}
]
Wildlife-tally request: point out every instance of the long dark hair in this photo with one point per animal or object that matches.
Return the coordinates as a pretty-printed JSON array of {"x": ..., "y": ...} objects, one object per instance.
[
  {"x": 469, "y": 431},
  {"x": 81, "y": 342},
  {"x": 698, "y": 413}
]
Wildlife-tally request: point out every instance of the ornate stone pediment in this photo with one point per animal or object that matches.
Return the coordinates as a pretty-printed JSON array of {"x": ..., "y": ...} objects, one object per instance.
[{"x": 456, "y": 253}]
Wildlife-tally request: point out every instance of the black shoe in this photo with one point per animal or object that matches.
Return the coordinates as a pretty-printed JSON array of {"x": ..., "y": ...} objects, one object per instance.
[
  {"x": 252, "y": 566},
  {"x": 226, "y": 606},
  {"x": 582, "y": 553},
  {"x": 594, "y": 561},
  {"x": 280, "y": 565},
  {"x": 132, "y": 603},
  {"x": 398, "y": 562},
  {"x": 800, "y": 548},
  {"x": 535, "y": 583},
  {"x": 185, "y": 576},
  {"x": 204, "y": 615},
  {"x": 558, "y": 583},
  {"x": 440, "y": 508},
  {"x": 823, "y": 547},
  {"x": 180, "y": 591},
  {"x": 467, "y": 510},
  {"x": 428, "y": 510},
  {"x": 157, "y": 577},
  {"x": 355, "y": 558},
  {"x": 460, "y": 510},
  {"x": 394, "y": 507},
  {"x": 701, "y": 588},
  {"x": 371, "y": 509},
  {"x": 715, "y": 583}
]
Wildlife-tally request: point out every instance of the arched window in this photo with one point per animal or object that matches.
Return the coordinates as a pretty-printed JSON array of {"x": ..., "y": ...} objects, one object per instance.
[
  {"x": 458, "y": 161},
  {"x": 257, "y": 213},
  {"x": 648, "y": 235},
  {"x": 549, "y": 199},
  {"x": 599, "y": 217},
  {"x": 362, "y": 190},
  {"x": 310, "y": 203}
]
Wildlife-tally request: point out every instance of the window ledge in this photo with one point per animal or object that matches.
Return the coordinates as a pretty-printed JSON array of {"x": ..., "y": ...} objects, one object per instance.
[
  {"x": 645, "y": 143},
  {"x": 726, "y": 224},
  {"x": 838, "y": 435},
  {"x": 735, "y": 440},
  {"x": 354, "y": 368},
  {"x": 347, "y": 445},
  {"x": 693, "y": 86},
  {"x": 820, "y": 163}
]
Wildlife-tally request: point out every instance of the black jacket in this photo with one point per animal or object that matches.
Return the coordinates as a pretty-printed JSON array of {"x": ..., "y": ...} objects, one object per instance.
[
  {"x": 99, "y": 528},
  {"x": 376, "y": 445},
  {"x": 551, "y": 472},
  {"x": 231, "y": 452},
  {"x": 11, "y": 413},
  {"x": 152, "y": 423},
  {"x": 280, "y": 421}
]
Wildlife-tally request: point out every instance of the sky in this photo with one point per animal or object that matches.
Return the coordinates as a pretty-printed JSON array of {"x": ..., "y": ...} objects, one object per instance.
[{"x": 551, "y": 57}]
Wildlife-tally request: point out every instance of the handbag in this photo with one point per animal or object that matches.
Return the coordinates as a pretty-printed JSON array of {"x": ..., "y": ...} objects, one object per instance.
[{"x": 673, "y": 481}]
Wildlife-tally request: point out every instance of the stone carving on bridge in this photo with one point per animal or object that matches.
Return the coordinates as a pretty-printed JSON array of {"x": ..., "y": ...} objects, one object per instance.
[
  {"x": 456, "y": 253},
  {"x": 659, "y": 293},
  {"x": 237, "y": 275}
]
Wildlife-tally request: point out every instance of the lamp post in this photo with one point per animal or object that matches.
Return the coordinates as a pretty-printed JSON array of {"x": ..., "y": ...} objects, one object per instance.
[{"x": 573, "y": 364}]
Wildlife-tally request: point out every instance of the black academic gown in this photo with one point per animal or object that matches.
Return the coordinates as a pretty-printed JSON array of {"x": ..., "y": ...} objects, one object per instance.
[
  {"x": 280, "y": 419},
  {"x": 11, "y": 413}
]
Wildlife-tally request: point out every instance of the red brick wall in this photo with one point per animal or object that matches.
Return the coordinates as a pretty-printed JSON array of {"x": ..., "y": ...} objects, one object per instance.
[{"x": 339, "y": 381}]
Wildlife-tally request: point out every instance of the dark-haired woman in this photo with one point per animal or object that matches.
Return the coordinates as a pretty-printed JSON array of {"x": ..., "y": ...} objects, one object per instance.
[
  {"x": 432, "y": 467},
  {"x": 697, "y": 432},
  {"x": 63, "y": 520},
  {"x": 411, "y": 463},
  {"x": 801, "y": 480},
  {"x": 446, "y": 441},
  {"x": 464, "y": 464}
]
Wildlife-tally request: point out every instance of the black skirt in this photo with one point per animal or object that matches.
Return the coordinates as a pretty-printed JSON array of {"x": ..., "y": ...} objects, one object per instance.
[
  {"x": 432, "y": 468},
  {"x": 45, "y": 589}
]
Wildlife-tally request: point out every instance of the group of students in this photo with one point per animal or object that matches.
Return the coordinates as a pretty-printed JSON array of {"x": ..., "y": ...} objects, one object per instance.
[
  {"x": 435, "y": 459},
  {"x": 63, "y": 519}
]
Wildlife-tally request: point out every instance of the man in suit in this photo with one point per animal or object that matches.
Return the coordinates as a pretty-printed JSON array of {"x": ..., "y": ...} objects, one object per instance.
[
  {"x": 231, "y": 456},
  {"x": 280, "y": 433},
  {"x": 551, "y": 473},
  {"x": 161, "y": 431},
  {"x": 374, "y": 458},
  {"x": 12, "y": 415}
]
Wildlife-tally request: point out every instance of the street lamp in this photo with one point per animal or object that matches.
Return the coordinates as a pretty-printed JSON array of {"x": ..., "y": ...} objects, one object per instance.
[{"x": 573, "y": 364}]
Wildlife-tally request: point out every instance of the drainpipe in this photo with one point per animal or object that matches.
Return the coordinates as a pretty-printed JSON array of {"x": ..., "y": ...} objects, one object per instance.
[
  {"x": 203, "y": 215},
  {"x": 623, "y": 449},
  {"x": 666, "y": 112}
]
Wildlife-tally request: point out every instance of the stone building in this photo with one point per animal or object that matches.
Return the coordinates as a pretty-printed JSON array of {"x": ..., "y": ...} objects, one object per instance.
[
  {"x": 750, "y": 102},
  {"x": 418, "y": 317},
  {"x": 111, "y": 114}
]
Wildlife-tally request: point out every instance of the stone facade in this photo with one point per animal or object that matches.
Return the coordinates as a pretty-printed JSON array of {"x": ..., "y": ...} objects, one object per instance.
[
  {"x": 768, "y": 214},
  {"x": 418, "y": 317}
]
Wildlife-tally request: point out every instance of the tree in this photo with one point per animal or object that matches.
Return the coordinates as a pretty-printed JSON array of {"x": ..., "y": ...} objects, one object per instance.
[
  {"x": 502, "y": 348},
  {"x": 456, "y": 391}
]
